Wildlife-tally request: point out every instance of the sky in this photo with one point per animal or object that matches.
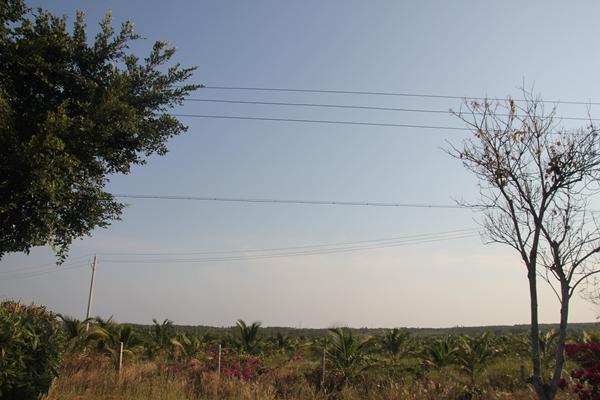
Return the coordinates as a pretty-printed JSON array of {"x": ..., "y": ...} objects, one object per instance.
[{"x": 459, "y": 48}]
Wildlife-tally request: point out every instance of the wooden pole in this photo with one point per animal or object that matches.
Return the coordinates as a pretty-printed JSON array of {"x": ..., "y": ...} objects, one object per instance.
[
  {"x": 219, "y": 362},
  {"x": 522, "y": 373},
  {"x": 120, "y": 358},
  {"x": 91, "y": 296}
]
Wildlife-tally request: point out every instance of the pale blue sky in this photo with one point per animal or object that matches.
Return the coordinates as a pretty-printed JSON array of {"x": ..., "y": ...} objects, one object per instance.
[{"x": 460, "y": 48}]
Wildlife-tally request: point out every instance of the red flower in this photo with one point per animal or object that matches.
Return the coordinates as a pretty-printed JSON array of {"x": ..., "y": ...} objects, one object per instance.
[
  {"x": 562, "y": 383},
  {"x": 577, "y": 373}
]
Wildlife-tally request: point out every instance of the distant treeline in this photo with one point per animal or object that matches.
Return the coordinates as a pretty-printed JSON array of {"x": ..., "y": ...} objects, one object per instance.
[{"x": 318, "y": 332}]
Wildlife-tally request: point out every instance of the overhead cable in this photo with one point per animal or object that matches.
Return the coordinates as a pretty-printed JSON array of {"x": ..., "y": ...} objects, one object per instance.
[
  {"x": 322, "y": 121},
  {"x": 308, "y": 246},
  {"x": 291, "y": 201},
  {"x": 399, "y": 94},
  {"x": 357, "y": 107}
]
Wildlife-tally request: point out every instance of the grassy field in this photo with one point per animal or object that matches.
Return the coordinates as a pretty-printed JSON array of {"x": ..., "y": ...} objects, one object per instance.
[
  {"x": 164, "y": 362},
  {"x": 149, "y": 381}
]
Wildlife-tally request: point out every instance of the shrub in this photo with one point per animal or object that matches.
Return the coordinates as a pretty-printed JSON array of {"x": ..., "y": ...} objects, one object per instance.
[
  {"x": 587, "y": 376},
  {"x": 31, "y": 345},
  {"x": 234, "y": 365}
]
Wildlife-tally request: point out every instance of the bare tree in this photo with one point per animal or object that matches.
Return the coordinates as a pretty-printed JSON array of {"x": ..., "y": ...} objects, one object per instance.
[{"x": 536, "y": 180}]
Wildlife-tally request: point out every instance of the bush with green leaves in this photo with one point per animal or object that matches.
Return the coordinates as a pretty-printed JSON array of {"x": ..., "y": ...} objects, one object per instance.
[{"x": 31, "y": 347}]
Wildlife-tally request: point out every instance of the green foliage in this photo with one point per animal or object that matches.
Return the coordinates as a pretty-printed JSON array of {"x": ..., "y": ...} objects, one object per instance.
[
  {"x": 108, "y": 339},
  {"x": 161, "y": 339},
  {"x": 248, "y": 340},
  {"x": 474, "y": 353},
  {"x": 31, "y": 346},
  {"x": 449, "y": 366},
  {"x": 395, "y": 342},
  {"x": 283, "y": 343},
  {"x": 346, "y": 354},
  {"x": 75, "y": 332},
  {"x": 440, "y": 352},
  {"x": 187, "y": 347},
  {"x": 72, "y": 112},
  {"x": 163, "y": 333},
  {"x": 548, "y": 342}
]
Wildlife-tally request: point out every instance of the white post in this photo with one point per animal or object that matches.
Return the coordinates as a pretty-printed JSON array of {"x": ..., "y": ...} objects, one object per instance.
[
  {"x": 91, "y": 295},
  {"x": 323, "y": 370},
  {"x": 219, "y": 362},
  {"x": 120, "y": 358}
]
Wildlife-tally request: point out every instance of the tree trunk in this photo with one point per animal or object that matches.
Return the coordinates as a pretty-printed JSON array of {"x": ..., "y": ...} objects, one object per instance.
[
  {"x": 536, "y": 378},
  {"x": 562, "y": 337}
]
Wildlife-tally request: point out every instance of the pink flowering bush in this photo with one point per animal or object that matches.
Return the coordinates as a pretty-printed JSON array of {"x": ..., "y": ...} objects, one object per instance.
[
  {"x": 587, "y": 376},
  {"x": 234, "y": 365}
]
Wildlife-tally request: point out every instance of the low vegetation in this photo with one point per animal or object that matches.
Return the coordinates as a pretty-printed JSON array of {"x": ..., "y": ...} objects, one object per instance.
[
  {"x": 43, "y": 355},
  {"x": 31, "y": 345},
  {"x": 162, "y": 361}
]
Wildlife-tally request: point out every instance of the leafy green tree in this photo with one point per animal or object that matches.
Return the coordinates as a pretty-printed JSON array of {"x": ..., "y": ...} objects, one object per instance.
[
  {"x": 31, "y": 347},
  {"x": 73, "y": 111}
]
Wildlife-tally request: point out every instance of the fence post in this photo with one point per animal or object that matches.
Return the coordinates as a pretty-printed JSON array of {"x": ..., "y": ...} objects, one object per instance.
[
  {"x": 522, "y": 373},
  {"x": 323, "y": 369},
  {"x": 219, "y": 362},
  {"x": 120, "y": 358}
]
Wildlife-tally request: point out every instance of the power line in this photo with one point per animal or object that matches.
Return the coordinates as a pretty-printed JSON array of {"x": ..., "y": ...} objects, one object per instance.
[
  {"x": 34, "y": 274},
  {"x": 398, "y": 94},
  {"x": 332, "y": 122},
  {"x": 292, "y": 251},
  {"x": 291, "y": 254},
  {"x": 302, "y": 247},
  {"x": 354, "y": 107},
  {"x": 42, "y": 267},
  {"x": 319, "y": 105},
  {"x": 290, "y": 201},
  {"x": 322, "y": 121}
]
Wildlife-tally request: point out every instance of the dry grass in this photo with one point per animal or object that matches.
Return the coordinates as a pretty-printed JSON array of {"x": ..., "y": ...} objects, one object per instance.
[{"x": 95, "y": 379}]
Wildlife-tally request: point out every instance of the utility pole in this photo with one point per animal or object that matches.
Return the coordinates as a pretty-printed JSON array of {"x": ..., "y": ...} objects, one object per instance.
[{"x": 89, "y": 306}]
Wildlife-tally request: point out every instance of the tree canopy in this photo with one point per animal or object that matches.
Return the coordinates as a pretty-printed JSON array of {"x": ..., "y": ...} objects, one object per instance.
[{"x": 73, "y": 111}]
